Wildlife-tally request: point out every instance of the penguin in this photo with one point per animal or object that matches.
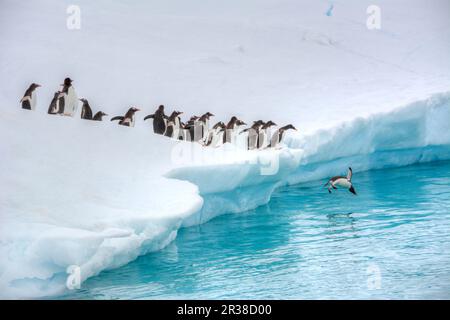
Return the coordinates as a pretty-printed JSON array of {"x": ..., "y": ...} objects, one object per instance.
[
  {"x": 189, "y": 128},
  {"x": 99, "y": 116},
  {"x": 231, "y": 129},
  {"x": 29, "y": 98},
  {"x": 278, "y": 135},
  {"x": 57, "y": 103},
  {"x": 70, "y": 98},
  {"x": 263, "y": 138},
  {"x": 215, "y": 136},
  {"x": 128, "y": 119},
  {"x": 173, "y": 125},
  {"x": 159, "y": 120},
  {"x": 341, "y": 181},
  {"x": 86, "y": 111},
  {"x": 201, "y": 127},
  {"x": 253, "y": 133},
  {"x": 207, "y": 115}
]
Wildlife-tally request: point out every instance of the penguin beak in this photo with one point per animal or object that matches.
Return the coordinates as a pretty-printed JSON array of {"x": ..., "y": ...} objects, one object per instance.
[{"x": 38, "y": 85}]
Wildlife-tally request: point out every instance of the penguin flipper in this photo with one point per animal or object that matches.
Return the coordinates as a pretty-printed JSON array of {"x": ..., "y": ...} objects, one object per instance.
[
  {"x": 117, "y": 118},
  {"x": 150, "y": 116},
  {"x": 349, "y": 174}
]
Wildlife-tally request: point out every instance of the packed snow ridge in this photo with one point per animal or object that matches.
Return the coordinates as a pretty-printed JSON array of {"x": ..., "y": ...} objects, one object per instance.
[{"x": 97, "y": 195}]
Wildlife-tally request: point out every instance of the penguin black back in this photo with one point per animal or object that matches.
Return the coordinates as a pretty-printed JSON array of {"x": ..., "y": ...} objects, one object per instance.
[
  {"x": 86, "y": 111},
  {"x": 26, "y": 101},
  {"x": 99, "y": 116},
  {"x": 159, "y": 120}
]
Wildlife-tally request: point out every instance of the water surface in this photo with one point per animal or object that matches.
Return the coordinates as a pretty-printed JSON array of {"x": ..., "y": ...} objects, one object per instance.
[{"x": 391, "y": 241}]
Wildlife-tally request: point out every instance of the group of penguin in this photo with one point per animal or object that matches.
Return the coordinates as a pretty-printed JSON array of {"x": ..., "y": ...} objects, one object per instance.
[
  {"x": 65, "y": 102},
  {"x": 196, "y": 129}
]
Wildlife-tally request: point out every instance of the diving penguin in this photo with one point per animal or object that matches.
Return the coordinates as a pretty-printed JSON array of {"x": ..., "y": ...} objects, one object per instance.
[{"x": 341, "y": 181}]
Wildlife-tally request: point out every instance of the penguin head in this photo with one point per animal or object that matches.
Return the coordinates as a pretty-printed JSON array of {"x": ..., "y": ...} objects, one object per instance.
[
  {"x": 134, "y": 109},
  {"x": 102, "y": 113},
  {"x": 289, "y": 126},
  {"x": 219, "y": 124},
  {"x": 177, "y": 113},
  {"x": 208, "y": 115},
  {"x": 193, "y": 118},
  {"x": 68, "y": 82},
  {"x": 84, "y": 100},
  {"x": 161, "y": 108},
  {"x": 269, "y": 124},
  {"x": 34, "y": 86},
  {"x": 240, "y": 123}
]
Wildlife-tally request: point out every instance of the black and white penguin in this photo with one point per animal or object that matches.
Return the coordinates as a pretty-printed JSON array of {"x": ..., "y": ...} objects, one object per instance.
[
  {"x": 86, "y": 111},
  {"x": 70, "y": 98},
  {"x": 159, "y": 120},
  {"x": 263, "y": 135},
  {"x": 173, "y": 129},
  {"x": 29, "y": 98},
  {"x": 231, "y": 129},
  {"x": 202, "y": 127},
  {"x": 341, "y": 181},
  {"x": 278, "y": 135},
  {"x": 189, "y": 128},
  {"x": 215, "y": 136},
  {"x": 128, "y": 119},
  {"x": 99, "y": 116},
  {"x": 57, "y": 103},
  {"x": 253, "y": 133}
]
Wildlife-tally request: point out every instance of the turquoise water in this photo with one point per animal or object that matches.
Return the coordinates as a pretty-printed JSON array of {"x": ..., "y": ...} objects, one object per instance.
[{"x": 391, "y": 241}]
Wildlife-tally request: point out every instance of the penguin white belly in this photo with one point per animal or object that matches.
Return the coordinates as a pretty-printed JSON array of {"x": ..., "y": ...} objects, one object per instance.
[
  {"x": 33, "y": 101},
  {"x": 217, "y": 139},
  {"x": 70, "y": 102},
  {"x": 275, "y": 139},
  {"x": 252, "y": 141},
  {"x": 342, "y": 182},
  {"x": 264, "y": 142}
]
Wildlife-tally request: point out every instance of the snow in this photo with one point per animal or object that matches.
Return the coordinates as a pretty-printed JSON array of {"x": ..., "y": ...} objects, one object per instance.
[{"x": 97, "y": 195}]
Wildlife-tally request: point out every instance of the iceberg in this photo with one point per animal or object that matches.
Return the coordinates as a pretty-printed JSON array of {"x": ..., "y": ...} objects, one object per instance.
[{"x": 106, "y": 194}]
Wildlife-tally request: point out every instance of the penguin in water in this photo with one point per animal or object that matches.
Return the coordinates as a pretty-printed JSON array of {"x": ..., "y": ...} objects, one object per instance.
[
  {"x": 173, "y": 129},
  {"x": 99, "y": 116},
  {"x": 253, "y": 133},
  {"x": 86, "y": 111},
  {"x": 263, "y": 137},
  {"x": 29, "y": 98},
  {"x": 128, "y": 119},
  {"x": 159, "y": 120},
  {"x": 70, "y": 99},
  {"x": 57, "y": 103},
  {"x": 278, "y": 135},
  {"x": 341, "y": 181},
  {"x": 215, "y": 136}
]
